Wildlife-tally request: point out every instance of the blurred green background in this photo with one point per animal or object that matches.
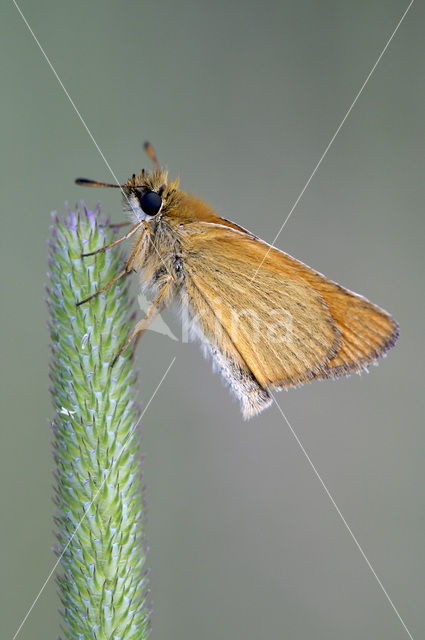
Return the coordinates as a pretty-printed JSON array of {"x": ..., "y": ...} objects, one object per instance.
[{"x": 241, "y": 99}]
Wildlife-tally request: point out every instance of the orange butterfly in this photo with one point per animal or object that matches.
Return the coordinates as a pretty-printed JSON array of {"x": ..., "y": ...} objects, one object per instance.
[{"x": 267, "y": 320}]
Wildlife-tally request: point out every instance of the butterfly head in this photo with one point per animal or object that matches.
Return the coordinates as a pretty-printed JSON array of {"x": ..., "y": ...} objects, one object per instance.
[
  {"x": 147, "y": 195},
  {"x": 150, "y": 194}
]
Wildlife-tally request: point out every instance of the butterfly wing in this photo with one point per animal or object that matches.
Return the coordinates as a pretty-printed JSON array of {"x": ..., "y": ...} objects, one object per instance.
[{"x": 276, "y": 328}]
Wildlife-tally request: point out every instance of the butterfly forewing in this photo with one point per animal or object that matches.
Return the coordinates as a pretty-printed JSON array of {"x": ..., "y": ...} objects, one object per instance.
[{"x": 279, "y": 327}]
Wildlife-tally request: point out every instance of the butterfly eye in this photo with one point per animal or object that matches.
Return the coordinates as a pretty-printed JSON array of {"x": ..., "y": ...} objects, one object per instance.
[{"x": 151, "y": 203}]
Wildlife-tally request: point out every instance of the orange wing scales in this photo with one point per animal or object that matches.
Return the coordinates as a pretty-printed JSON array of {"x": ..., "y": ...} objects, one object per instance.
[{"x": 282, "y": 327}]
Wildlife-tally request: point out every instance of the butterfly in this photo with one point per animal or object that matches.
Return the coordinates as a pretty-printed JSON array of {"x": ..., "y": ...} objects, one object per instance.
[{"x": 268, "y": 321}]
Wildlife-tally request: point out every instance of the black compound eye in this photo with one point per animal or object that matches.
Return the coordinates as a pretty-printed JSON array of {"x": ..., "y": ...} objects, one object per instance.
[{"x": 151, "y": 203}]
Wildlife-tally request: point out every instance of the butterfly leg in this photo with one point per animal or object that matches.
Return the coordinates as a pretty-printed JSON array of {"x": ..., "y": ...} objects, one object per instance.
[
  {"x": 127, "y": 268},
  {"x": 96, "y": 293},
  {"x": 146, "y": 230},
  {"x": 132, "y": 231},
  {"x": 157, "y": 306},
  {"x": 118, "y": 225}
]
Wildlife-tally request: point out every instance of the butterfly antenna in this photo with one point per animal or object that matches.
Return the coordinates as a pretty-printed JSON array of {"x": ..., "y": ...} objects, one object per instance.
[
  {"x": 151, "y": 153},
  {"x": 95, "y": 183}
]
